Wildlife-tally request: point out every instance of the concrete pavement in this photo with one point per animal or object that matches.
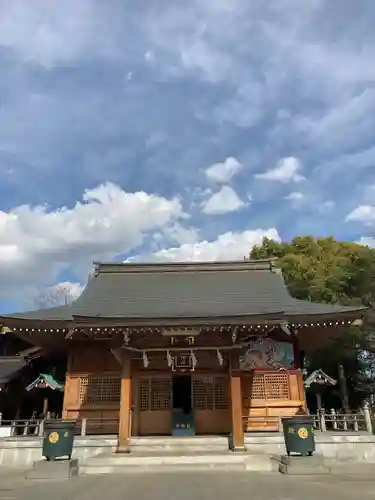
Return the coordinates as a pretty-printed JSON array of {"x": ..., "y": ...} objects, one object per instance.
[{"x": 185, "y": 486}]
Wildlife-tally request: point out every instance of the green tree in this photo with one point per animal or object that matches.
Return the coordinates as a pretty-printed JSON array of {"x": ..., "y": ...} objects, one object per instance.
[{"x": 326, "y": 270}]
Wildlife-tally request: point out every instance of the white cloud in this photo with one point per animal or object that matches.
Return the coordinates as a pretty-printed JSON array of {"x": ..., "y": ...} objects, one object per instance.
[
  {"x": 345, "y": 124},
  {"x": 36, "y": 244},
  {"x": 228, "y": 246},
  {"x": 57, "y": 295},
  {"x": 67, "y": 289},
  {"x": 52, "y": 32},
  {"x": 224, "y": 201},
  {"x": 295, "y": 196},
  {"x": 325, "y": 207},
  {"x": 363, "y": 213},
  {"x": 287, "y": 170},
  {"x": 225, "y": 171},
  {"x": 367, "y": 241}
]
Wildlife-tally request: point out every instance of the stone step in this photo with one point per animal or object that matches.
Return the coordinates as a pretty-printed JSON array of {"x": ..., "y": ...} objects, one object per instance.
[
  {"x": 172, "y": 462},
  {"x": 170, "y": 443}
]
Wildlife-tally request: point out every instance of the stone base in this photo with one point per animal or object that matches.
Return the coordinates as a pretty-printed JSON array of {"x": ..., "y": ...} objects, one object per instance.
[
  {"x": 303, "y": 466},
  {"x": 54, "y": 469},
  {"x": 291, "y": 460},
  {"x": 122, "y": 450}
]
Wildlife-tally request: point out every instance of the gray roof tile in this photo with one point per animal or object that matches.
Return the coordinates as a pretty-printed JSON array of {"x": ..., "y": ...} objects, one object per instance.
[
  {"x": 185, "y": 290},
  {"x": 10, "y": 366}
]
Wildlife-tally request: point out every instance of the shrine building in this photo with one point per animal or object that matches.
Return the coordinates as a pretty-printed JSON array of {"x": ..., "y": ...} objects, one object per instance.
[{"x": 185, "y": 348}]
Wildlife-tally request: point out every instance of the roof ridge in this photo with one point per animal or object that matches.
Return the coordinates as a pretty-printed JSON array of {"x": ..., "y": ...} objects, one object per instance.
[{"x": 187, "y": 266}]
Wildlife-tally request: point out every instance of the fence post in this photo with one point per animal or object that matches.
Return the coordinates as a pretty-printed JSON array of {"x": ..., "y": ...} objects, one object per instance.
[
  {"x": 334, "y": 421},
  {"x": 367, "y": 416},
  {"x": 322, "y": 420},
  {"x": 41, "y": 428},
  {"x": 1, "y": 417},
  {"x": 355, "y": 423},
  {"x": 344, "y": 421},
  {"x": 26, "y": 428},
  {"x": 13, "y": 430},
  {"x": 83, "y": 426},
  {"x": 280, "y": 424}
]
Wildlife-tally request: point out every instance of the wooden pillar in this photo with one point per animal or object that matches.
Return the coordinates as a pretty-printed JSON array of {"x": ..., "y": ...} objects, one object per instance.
[
  {"x": 238, "y": 437},
  {"x": 67, "y": 385},
  {"x": 123, "y": 445},
  {"x": 135, "y": 403},
  {"x": 301, "y": 390}
]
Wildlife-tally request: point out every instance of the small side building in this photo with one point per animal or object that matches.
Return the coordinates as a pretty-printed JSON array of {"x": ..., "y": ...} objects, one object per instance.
[{"x": 209, "y": 348}]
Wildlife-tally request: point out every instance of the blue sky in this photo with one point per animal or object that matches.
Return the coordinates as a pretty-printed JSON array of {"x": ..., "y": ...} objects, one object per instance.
[{"x": 178, "y": 130}]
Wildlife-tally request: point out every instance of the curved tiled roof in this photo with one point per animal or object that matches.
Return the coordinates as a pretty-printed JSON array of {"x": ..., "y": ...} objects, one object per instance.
[{"x": 185, "y": 290}]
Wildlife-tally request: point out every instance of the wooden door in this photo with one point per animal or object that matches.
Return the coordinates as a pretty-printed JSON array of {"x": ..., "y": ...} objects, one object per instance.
[
  {"x": 155, "y": 404},
  {"x": 210, "y": 397}
]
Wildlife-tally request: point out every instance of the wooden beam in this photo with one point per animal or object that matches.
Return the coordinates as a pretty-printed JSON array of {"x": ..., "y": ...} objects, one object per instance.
[
  {"x": 118, "y": 355},
  {"x": 238, "y": 436},
  {"x": 123, "y": 444}
]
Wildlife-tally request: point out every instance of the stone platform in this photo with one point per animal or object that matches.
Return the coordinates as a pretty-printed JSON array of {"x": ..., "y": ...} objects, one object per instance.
[{"x": 21, "y": 452}]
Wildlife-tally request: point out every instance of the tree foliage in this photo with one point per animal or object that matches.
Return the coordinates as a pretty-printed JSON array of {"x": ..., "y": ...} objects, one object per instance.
[{"x": 326, "y": 270}]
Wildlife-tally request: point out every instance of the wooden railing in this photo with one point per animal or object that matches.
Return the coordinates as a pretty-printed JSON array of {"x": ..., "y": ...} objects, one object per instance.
[
  {"x": 323, "y": 421},
  {"x": 333, "y": 421},
  {"x": 35, "y": 427},
  {"x": 12, "y": 428},
  {"x": 97, "y": 426}
]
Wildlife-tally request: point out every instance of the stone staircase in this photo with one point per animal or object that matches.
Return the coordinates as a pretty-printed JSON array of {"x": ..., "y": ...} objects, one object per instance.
[
  {"x": 196, "y": 444},
  {"x": 170, "y": 454}
]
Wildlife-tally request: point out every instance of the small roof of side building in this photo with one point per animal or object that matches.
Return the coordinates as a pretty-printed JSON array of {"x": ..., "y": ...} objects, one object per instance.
[
  {"x": 10, "y": 366},
  {"x": 187, "y": 291}
]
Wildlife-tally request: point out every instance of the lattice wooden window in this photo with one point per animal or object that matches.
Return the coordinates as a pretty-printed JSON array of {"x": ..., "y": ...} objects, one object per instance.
[
  {"x": 155, "y": 394},
  {"x": 100, "y": 390},
  {"x": 161, "y": 394},
  {"x": 144, "y": 394},
  {"x": 277, "y": 385},
  {"x": 210, "y": 393},
  {"x": 83, "y": 383},
  {"x": 202, "y": 389},
  {"x": 266, "y": 386},
  {"x": 258, "y": 387},
  {"x": 221, "y": 390}
]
